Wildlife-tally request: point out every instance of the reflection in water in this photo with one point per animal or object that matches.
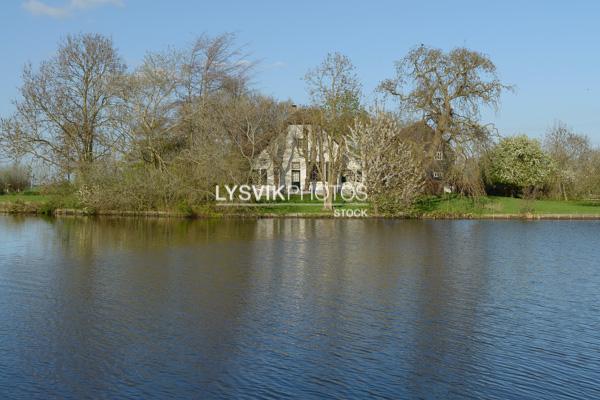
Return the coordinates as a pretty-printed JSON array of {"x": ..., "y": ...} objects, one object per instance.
[{"x": 139, "y": 308}]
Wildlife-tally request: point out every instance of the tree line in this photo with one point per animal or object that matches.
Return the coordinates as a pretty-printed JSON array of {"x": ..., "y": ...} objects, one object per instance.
[{"x": 167, "y": 132}]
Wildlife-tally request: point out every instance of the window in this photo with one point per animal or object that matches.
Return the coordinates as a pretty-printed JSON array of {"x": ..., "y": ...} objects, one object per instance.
[
  {"x": 439, "y": 156},
  {"x": 437, "y": 175},
  {"x": 296, "y": 179},
  {"x": 300, "y": 143},
  {"x": 348, "y": 176}
]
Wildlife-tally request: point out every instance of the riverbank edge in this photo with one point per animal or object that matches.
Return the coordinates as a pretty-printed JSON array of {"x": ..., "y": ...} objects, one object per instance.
[{"x": 30, "y": 209}]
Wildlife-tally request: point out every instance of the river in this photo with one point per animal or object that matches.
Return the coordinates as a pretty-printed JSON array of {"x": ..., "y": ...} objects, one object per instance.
[{"x": 298, "y": 308}]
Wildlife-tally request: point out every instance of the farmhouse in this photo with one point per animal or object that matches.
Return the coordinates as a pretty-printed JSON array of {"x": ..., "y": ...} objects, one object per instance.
[{"x": 294, "y": 160}]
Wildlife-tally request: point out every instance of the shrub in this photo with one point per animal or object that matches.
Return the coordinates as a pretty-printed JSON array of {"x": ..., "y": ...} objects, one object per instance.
[
  {"x": 60, "y": 188},
  {"x": 137, "y": 187},
  {"x": 518, "y": 165},
  {"x": 14, "y": 179},
  {"x": 393, "y": 171}
]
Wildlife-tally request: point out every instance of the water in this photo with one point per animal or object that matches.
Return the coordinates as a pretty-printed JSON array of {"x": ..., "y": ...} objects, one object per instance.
[{"x": 156, "y": 309}]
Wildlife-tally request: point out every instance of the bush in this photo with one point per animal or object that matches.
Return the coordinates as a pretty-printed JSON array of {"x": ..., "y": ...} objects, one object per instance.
[
  {"x": 14, "y": 179},
  {"x": 60, "y": 188},
  {"x": 115, "y": 187},
  {"x": 393, "y": 172},
  {"x": 139, "y": 187},
  {"x": 518, "y": 165}
]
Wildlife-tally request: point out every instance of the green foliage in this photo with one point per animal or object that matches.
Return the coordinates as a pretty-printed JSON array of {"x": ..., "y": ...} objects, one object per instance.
[
  {"x": 49, "y": 207},
  {"x": 59, "y": 188},
  {"x": 186, "y": 209},
  {"x": 452, "y": 205},
  {"x": 519, "y": 163}
]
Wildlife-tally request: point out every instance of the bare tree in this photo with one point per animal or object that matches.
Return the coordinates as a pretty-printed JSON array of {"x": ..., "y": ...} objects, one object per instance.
[
  {"x": 448, "y": 91},
  {"x": 150, "y": 109},
  {"x": 309, "y": 150},
  {"x": 336, "y": 93},
  {"x": 391, "y": 165},
  {"x": 65, "y": 114},
  {"x": 249, "y": 124},
  {"x": 571, "y": 154},
  {"x": 212, "y": 65}
]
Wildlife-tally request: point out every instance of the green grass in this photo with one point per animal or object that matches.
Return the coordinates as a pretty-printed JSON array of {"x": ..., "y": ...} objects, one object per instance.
[
  {"x": 453, "y": 206},
  {"x": 305, "y": 208},
  {"x": 457, "y": 205},
  {"x": 299, "y": 205},
  {"x": 33, "y": 198},
  {"x": 33, "y": 202},
  {"x": 295, "y": 205}
]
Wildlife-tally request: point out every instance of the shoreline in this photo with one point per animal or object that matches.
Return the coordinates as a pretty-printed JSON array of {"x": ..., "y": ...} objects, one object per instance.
[{"x": 71, "y": 212}]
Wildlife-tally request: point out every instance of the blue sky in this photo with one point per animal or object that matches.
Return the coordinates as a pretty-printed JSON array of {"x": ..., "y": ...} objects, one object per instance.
[{"x": 549, "y": 49}]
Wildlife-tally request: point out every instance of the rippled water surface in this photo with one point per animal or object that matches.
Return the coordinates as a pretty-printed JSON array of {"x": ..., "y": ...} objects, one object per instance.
[{"x": 156, "y": 309}]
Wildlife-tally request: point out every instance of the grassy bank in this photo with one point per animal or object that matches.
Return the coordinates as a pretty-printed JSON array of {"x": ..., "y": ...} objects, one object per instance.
[
  {"x": 60, "y": 205},
  {"x": 430, "y": 207},
  {"x": 34, "y": 203},
  {"x": 453, "y": 206}
]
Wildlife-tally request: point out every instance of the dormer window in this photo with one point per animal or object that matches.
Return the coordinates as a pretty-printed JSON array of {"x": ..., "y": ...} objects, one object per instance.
[{"x": 439, "y": 156}]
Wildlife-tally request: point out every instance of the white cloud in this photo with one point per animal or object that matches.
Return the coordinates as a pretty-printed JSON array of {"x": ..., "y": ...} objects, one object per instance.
[
  {"x": 80, "y": 4},
  {"x": 38, "y": 7}
]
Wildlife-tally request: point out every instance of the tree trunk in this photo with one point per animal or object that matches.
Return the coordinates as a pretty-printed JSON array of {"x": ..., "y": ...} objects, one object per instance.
[
  {"x": 328, "y": 201},
  {"x": 564, "y": 190},
  {"x": 282, "y": 178},
  {"x": 308, "y": 177}
]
